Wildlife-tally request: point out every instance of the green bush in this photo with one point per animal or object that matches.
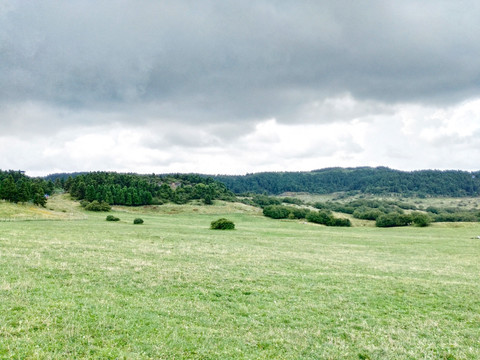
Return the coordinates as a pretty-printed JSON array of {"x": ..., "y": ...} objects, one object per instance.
[
  {"x": 365, "y": 213},
  {"x": 340, "y": 222},
  {"x": 112, "y": 218},
  {"x": 455, "y": 217},
  {"x": 292, "y": 200},
  {"x": 264, "y": 200},
  {"x": 97, "y": 206},
  {"x": 433, "y": 210},
  {"x": 393, "y": 219},
  {"x": 285, "y": 212},
  {"x": 222, "y": 224},
  {"x": 421, "y": 219},
  {"x": 320, "y": 217},
  {"x": 325, "y": 217},
  {"x": 276, "y": 211},
  {"x": 138, "y": 221},
  {"x": 299, "y": 213}
]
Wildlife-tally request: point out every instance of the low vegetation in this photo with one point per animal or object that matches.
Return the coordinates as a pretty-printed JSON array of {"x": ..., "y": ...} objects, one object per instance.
[
  {"x": 275, "y": 290},
  {"x": 222, "y": 224},
  {"x": 326, "y": 218},
  {"x": 323, "y": 217},
  {"x": 388, "y": 287},
  {"x": 95, "y": 205}
]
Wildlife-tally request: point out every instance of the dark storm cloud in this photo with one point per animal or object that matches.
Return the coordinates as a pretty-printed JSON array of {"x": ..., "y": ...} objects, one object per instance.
[{"x": 214, "y": 61}]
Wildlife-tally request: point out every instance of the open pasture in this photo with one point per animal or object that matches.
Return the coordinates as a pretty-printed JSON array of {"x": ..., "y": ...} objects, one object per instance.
[{"x": 174, "y": 289}]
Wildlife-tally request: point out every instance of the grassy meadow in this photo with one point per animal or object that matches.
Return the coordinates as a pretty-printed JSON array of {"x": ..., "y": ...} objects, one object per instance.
[{"x": 74, "y": 286}]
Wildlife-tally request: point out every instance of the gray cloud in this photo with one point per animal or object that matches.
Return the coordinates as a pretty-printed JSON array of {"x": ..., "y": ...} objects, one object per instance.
[
  {"x": 225, "y": 79},
  {"x": 237, "y": 60}
]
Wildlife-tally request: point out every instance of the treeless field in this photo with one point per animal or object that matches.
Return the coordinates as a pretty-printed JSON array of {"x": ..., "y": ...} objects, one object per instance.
[{"x": 171, "y": 288}]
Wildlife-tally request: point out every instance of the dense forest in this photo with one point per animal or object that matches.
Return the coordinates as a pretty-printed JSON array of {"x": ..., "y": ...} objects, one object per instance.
[
  {"x": 133, "y": 189},
  {"x": 380, "y": 181},
  {"x": 16, "y": 187}
]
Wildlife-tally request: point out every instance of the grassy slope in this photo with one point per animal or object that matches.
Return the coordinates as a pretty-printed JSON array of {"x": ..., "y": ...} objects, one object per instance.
[
  {"x": 172, "y": 288},
  {"x": 58, "y": 207}
]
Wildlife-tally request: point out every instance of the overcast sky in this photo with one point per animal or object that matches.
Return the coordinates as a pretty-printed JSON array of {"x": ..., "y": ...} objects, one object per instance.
[{"x": 230, "y": 87}]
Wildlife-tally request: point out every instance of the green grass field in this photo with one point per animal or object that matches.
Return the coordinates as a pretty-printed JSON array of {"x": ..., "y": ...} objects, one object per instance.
[{"x": 74, "y": 286}]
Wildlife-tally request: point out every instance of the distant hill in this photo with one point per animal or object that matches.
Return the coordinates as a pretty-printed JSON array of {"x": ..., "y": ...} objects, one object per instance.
[
  {"x": 135, "y": 189},
  {"x": 379, "y": 180}
]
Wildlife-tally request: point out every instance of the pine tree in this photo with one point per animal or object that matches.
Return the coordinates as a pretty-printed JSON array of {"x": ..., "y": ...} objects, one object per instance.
[{"x": 8, "y": 189}]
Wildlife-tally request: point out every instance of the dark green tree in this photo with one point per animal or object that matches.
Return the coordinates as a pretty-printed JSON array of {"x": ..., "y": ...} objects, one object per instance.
[{"x": 8, "y": 190}]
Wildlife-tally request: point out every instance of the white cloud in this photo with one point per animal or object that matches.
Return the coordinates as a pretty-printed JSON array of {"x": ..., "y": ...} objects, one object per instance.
[{"x": 406, "y": 137}]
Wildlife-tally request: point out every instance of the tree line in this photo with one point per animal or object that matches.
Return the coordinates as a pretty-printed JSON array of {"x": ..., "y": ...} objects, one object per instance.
[
  {"x": 16, "y": 187},
  {"x": 134, "y": 189},
  {"x": 378, "y": 181}
]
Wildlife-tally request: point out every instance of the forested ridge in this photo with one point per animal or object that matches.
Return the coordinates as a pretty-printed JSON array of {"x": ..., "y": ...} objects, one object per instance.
[
  {"x": 380, "y": 180},
  {"x": 134, "y": 189}
]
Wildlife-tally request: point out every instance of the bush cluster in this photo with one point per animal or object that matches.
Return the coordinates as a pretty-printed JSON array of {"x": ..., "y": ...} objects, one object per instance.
[
  {"x": 396, "y": 219},
  {"x": 325, "y": 217},
  {"x": 138, "y": 221},
  {"x": 96, "y": 205},
  {"x": 112, "y": 218},
  {"x": 365, "y": 213},
  {"x": 285, "y": 212},
  {"x": 365, "y": 209},
  {"x": 222, "y": 224},
  {"x": 393, "y": 219}
]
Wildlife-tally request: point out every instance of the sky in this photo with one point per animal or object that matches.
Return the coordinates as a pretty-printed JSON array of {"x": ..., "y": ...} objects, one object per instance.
[{"x": 235, "y": 87}]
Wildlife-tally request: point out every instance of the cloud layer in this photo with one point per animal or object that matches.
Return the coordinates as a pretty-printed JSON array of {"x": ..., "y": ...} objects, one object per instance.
[{"x": 264, "y": 85}]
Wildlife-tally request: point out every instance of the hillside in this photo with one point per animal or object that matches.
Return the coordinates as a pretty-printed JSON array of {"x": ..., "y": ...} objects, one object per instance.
[
  {"x": 135, "y": 189},
  {"x": 380, "y": 180}
]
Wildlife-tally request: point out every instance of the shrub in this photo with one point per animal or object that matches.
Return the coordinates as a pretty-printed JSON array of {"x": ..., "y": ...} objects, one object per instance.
[
  {"x": 299, "y": 213},
  {"x": 285, "y": 212},
  {"x": 455, "y": 217},
  {"x": 339, "y": 207},
  {"x": 292, "y": 200},
  {"x": 112, "y": 218},
  {"x": 393, "y": 219},
  {"x": 222, "y": 224},
  {"x": 326, "y": 218},
  {"x": 320, "y": 205},
  {"x": 98, "y": 206},
  {"x": 421, "y": 219},
  {"x": 365, "y": 213},
  {"x": 433, "y": 210},
  {"x": 138, "y": 221},
  {"x": 320, "y": 217},
  {"x": 208, "y": 200},
  {"x": 276, "y": 211},
  {"x": 264, "y": 200},
  {"x": 340, "y": 222}
]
